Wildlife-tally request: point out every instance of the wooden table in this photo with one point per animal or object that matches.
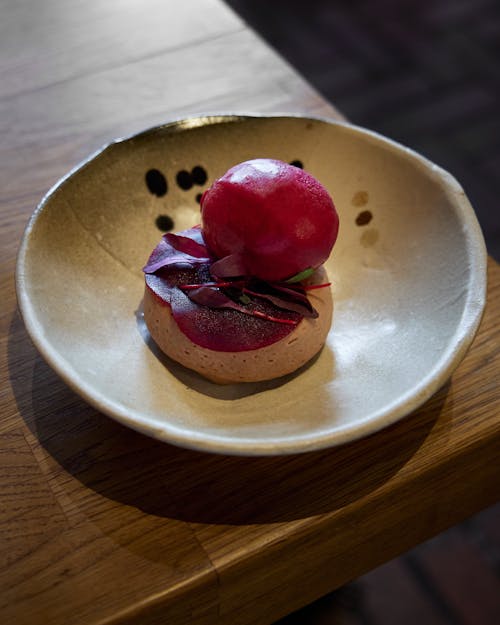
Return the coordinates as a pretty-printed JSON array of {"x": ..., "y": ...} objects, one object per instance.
[{"x": 100, "y": 525}]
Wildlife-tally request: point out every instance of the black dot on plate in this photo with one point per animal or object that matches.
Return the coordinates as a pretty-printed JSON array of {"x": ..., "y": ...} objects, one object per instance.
[
  {"x": 298, "y": 164},
  {"x": 184, "y": 179},
  {"x": 165, "y": 223},
  {"x": 199, "y": 175},
  {"x": 198, "y": 197},
  {"x": 156, "y": 182},
  {"x": 364, "y": 218}
]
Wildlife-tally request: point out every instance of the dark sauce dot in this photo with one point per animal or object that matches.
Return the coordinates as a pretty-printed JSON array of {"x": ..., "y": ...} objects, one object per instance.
[
  {"x": 198, "y": 197},
  {"x": 156, "y": 182},
  {"x": 184, "y": 180},
  {"x": 164, "y": 223},
  {"x": 364, "y": 218},
  {"x": 298, "y": 164},
  {"x": 199, "y": 175}
]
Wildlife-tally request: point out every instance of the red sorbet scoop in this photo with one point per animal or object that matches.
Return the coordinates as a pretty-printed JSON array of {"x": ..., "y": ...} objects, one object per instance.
[{"x": 273, "y": 219}]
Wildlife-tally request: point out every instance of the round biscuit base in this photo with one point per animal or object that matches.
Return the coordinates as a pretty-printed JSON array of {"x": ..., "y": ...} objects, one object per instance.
[{"x": 256, "y": 365}]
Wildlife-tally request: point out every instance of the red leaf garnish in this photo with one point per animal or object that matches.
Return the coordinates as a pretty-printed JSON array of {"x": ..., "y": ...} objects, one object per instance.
[
  {"x": 186, "y": 245},
  {"x": 311, "y": 287},
  {"x": 215, "y": 298},
  {"x": 228, "y": 267},
  {"x": 165, "y": 254},
  {"x": 220, "y": 285},
  {"x": 302, "y": 306}
]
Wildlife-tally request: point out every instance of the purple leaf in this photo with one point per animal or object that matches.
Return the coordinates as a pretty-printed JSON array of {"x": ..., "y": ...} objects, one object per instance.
[
  {"x": 165, "y": 254},
  {"x": 231, "y": 266},
  {"x": 304, "y": 308},
  {"x": 213, "y": 298},
  {"x": 186, "y": 245}
]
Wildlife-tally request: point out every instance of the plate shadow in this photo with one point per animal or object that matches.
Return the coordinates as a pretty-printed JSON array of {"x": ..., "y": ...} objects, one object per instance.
[{"x": 166, "y": 481}]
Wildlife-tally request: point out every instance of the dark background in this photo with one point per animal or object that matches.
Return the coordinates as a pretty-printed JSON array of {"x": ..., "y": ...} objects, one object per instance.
[{"x": 423, "y": 73}]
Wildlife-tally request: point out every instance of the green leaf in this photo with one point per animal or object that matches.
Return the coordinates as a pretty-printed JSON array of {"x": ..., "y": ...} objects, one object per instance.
[{"x": 300, "y": 276}]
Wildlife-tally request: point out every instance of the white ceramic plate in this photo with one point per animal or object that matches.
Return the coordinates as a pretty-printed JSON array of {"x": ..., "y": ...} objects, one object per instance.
[{"x": 408, "y": 272}]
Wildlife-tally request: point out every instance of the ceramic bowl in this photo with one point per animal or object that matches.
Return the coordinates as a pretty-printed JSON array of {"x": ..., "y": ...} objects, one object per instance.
[{"x": 408, "y": 273}]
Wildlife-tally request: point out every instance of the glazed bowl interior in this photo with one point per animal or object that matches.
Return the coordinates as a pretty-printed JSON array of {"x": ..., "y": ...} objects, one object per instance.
[{"x": 407, "y": 272}]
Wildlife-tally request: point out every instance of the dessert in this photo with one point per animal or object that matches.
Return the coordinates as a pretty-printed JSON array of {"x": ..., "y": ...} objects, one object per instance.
[{"x": 244, "y": 297}]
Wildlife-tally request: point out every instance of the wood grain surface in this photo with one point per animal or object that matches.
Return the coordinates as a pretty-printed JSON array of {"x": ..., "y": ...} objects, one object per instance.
[{"x": 100, "y": 525}]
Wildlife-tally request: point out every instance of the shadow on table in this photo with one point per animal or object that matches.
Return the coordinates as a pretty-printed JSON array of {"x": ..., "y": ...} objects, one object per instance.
[{"x": 170, "y": 482}]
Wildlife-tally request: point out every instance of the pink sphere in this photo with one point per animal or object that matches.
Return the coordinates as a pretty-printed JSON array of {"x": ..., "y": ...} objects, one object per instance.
[{"x": 276, "y": 217}]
